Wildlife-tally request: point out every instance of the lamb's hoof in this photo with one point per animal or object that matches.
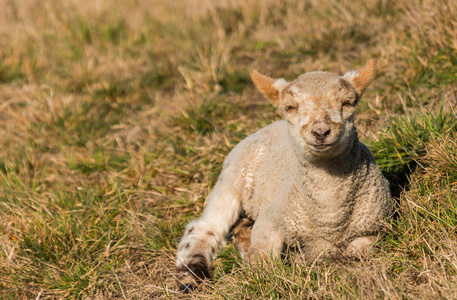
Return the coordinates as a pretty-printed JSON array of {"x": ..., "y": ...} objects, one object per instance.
[
  {"x": 241, "y": 236},
  {"x": 189, "y": 277},
  {"x": 187, "y": 288}
]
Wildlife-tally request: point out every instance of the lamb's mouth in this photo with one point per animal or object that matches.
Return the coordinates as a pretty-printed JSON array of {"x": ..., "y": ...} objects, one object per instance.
[{"x": 321, "y": 147}]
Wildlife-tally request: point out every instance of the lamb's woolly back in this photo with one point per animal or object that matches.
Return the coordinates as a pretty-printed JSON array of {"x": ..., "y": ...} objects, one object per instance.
[{"x": 305, "y": 182}]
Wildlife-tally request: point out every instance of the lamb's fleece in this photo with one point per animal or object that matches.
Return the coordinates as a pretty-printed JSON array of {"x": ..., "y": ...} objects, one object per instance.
[{"x": 306, "y": 182}]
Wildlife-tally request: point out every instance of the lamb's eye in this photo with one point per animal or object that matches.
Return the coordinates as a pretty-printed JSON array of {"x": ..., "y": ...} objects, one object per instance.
[
  {"x": 290, "y": 108},
  {"x": 347, "y": 105}
]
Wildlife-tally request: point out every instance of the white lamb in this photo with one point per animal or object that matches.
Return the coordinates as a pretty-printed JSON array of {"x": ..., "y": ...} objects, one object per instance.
[{"x": 305, "y": 182}]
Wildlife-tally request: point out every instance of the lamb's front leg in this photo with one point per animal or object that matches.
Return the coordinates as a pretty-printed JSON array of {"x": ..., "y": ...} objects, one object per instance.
[
  {"x": 203, "y": 238},
  {"x": 361, "y": 246},
  {"x": 266, "y": 242}
]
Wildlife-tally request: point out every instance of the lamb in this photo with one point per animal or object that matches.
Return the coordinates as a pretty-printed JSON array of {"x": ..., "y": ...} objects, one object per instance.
[{"x": 305, "y": 182}]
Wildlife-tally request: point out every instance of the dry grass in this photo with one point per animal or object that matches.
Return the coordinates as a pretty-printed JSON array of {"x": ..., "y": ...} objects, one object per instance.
[{"x": 115, "y": 118}]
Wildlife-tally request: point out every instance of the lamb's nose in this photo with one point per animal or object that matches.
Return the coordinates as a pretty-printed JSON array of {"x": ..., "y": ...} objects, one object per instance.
[{"x": 320, "y": 133}]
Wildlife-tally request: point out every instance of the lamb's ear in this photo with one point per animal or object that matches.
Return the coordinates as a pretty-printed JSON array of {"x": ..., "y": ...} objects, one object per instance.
[
  {"x": 270, "y": 87},
  {"x": 362, "y": 77}
]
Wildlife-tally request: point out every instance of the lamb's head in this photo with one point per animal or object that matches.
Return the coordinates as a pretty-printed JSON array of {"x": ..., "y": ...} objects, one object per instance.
[{"x": 319, "y": 107}]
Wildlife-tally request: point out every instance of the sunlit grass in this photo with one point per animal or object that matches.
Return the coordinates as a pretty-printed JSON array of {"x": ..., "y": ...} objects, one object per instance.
[{"x": 407, "y": 137}]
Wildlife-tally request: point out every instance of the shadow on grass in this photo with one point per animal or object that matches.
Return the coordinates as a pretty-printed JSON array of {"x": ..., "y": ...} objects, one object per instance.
[{"x": 399, "y": 181}]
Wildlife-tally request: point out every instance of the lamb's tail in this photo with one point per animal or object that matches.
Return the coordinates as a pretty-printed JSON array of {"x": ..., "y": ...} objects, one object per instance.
[{"x": 203, "y": 238}]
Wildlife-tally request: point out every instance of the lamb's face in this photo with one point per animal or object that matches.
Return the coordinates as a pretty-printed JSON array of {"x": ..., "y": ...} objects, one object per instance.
[{"x": 319, "y": 107}]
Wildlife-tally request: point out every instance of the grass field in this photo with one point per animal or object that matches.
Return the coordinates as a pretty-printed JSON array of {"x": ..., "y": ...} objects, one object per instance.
[{"x": 116, "y": 116}]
